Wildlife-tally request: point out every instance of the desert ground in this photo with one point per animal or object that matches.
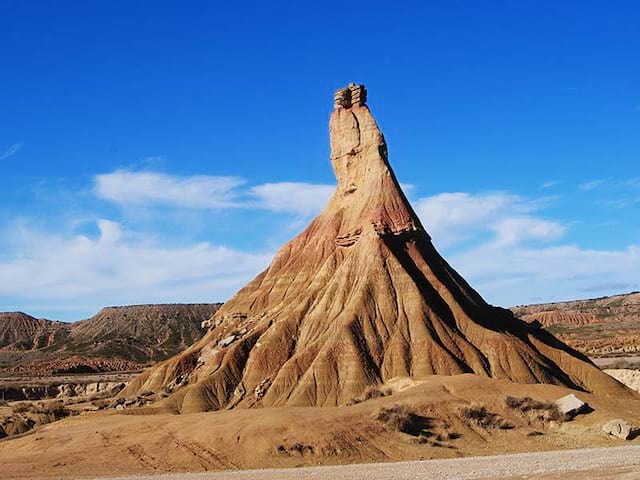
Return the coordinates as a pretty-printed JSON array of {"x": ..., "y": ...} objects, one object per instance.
[
  {"x": 144, "y": 441},
  {"x": 620, "y": 463}
]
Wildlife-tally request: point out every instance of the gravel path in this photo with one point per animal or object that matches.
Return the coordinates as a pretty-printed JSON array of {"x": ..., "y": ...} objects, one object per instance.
[{"x": 596, "y": 463}]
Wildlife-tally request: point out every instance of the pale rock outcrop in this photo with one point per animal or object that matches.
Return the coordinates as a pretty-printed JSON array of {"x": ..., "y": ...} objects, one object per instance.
[
  {"x": 620, "y": 429},
  {"x": 631, "y": 378},
  {"x": 570, "y": 406}
]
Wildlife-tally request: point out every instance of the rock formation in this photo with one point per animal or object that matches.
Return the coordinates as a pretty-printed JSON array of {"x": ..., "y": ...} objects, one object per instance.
[
  {"x": 115, "y": 339},
  {"x": 596, "y": 311},
  {"x": 359, "y": 297},
  {"x": 599, "y": 327}
]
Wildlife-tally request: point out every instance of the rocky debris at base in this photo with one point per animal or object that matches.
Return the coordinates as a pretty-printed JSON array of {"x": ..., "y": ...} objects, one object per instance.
[
  {"x": 621, "y": 429},
  {"x": 570, "y": 406}
]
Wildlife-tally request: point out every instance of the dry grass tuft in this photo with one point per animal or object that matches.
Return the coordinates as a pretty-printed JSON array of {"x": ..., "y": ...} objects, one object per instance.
[
  {"x": 399, "y": 418},
  {"x": 24, "y": 407},
  {"x": 480, "y": 416},
  {"x": 55, "y": 410},
  {"x": 369, "y": 393},
  {"x": 535, "y": 409}
]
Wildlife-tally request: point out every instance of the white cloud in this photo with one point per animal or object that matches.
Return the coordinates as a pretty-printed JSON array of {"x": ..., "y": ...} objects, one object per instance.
[
  {"x": 147, "y": 188},
  {"x": 502, "y": 262},
  {"x": 593, "y": 184},
  {"x": 453, "y": 218},
  {"x": 302, "y": 198},
  {"x": 549, "y": 184},
  {"x": 12, "y": 150},
  {"x": 515, "y": 274},
  {"x": 513, "y": 230},
  {"x": 118, "y": 267}
]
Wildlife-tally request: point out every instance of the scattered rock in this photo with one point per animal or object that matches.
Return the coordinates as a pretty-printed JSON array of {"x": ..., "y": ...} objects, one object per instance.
[
  {"x": 620, "y": 429},
  {"x": 227, "y": 341},
  {"x": 570, "y": 406},
  {"x": 262, "y": 388}
]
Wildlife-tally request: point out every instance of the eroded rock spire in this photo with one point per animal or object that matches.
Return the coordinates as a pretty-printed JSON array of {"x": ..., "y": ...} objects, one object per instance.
[{"x": 360, "y": 297}]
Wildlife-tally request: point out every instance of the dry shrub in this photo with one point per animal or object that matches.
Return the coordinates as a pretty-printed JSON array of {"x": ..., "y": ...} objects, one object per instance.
[
  {"x": 295, "y": 449},
  {"x": 480, "y": 416},
  {"x": 539, "y": 410},
  {"x": 372, "y": 392},
  {"x": 369, "y": 393},
  {"x": 399, "y": 418},
  {"x": 431, "y": 442},
  {"x": 24, "y": 407},
  {"x": 56, "y": 410}
]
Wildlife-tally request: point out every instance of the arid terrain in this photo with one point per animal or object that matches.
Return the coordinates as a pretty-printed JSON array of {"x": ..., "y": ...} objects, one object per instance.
[
  {"x": 358, "y": 344},
  {"x": 619, "y": 463},
  {"x": 445, "y": 420},
  {"x": 601, "y": 327},
  {"x": 115, "y": 339}
]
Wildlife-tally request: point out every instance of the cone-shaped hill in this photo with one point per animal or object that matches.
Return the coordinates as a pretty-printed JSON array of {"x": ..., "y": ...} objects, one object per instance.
[{"x": 358, "y": 298}]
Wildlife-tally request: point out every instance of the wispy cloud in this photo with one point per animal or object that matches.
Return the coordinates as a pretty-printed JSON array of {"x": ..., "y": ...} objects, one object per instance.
[
  {"x": 120, "y": 266},
  {"x": 549, "y": 184},
  {"x": 593, "y": 184},
  {"x": 126, "y": 187},
  {"x": 11, "y": 151},
  {"x": 302, "y": 198},
  {"x": 153, "y": 189},
  {"x": 607, "y": 287},
  {"x": 453, "y": 218},
  {"x": 504, "y": 275}
]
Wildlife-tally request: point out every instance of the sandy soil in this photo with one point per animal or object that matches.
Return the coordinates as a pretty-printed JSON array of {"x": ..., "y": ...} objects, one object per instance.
[
  {"x": 110, "y": 443},
  {"x": 585, "y": 464}
]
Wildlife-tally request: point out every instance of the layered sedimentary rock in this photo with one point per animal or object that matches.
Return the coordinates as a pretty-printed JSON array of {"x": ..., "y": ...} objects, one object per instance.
[
  {"x": 596, "y": 311},
  {"x": 359, "y": 297},
  {"x": 599, "y": 327},
  {"x": 115, "y": 339}
]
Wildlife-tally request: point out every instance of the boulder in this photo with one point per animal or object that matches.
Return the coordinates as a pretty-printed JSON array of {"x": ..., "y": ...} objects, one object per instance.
[
  {"x": 570, "y": 406},
  {"x": 620, "y": 429}
]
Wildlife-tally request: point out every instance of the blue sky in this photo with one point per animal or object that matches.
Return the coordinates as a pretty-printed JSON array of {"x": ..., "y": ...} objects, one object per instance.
[{"x": 162, "y": 151}]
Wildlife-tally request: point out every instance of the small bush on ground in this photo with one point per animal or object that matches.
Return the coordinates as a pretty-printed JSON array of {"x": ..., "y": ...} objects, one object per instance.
[
  {"x": 369, "y": 393},
  {"x": 24, "y": 407},
  {"x": 540, "y": 410},
  {"x": 56, "y": 410},
  {"x": 399, "y": 418},
  {"x": 480, "y": 416}
]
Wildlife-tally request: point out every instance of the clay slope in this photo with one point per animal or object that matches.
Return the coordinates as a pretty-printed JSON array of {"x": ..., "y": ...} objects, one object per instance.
[
  {"x": 115, "y": 339},
  {"x": 599, "y": 327},
  {"x": 616, "y": 308},
  {"x": 19, "y": 331},
  {"x": 359, "y": 297},
  {"x": 141, "y": 333}
]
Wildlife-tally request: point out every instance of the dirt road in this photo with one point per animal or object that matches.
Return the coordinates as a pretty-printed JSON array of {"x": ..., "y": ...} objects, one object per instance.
[{"x": 621, "y": 463}]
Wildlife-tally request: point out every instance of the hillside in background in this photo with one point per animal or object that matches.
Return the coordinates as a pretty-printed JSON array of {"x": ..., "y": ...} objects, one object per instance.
[
  {"x": 599, "y": 327},
  {"x": 115, "y": 339}
]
